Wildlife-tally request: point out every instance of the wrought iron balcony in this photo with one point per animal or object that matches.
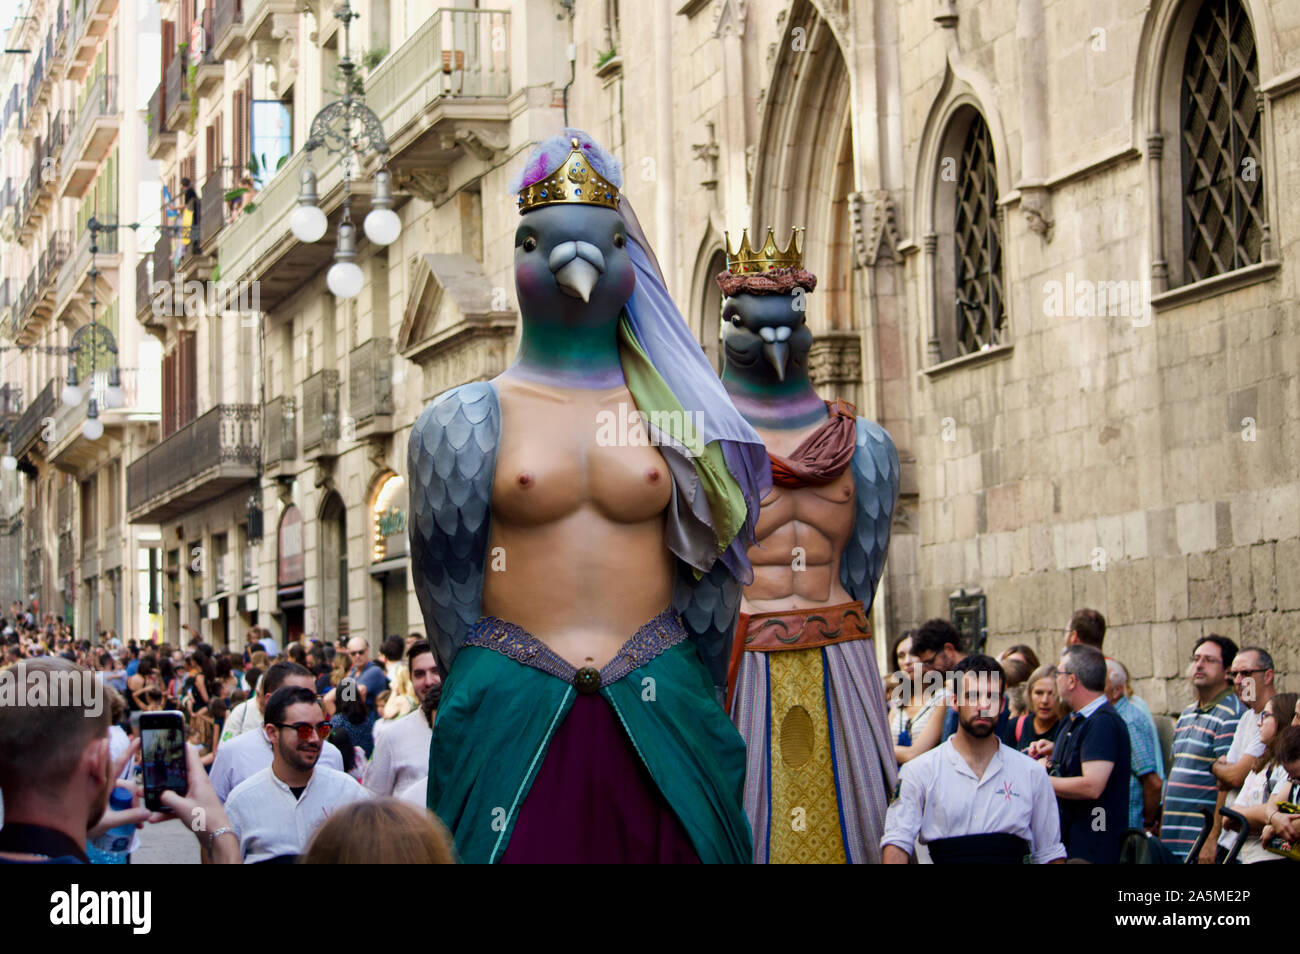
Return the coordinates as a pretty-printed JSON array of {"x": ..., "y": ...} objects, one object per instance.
[
  {"x": 370, "y": 387},
  {"x": 160, "y": 138},
  {"x": 210, "y": 71},
  {"x": 30, "y": 426},
  {"x": 205, "y": 459},
  {"x": 141, "y": 403},
  {"x": 227, "y": 28},
  {"x": 176, "y": 103},
  {"x": 92, "y": 136},
  {"x": 320, "y": 415},
  {"x": 11, "y": 402},
  {"x": 212, "y": 204},
  {"x": 280, "y": 449},
  {"x": 74, "y": 277},
  {"x": 89, "y": 22},
  {"x": 52, "y": 259}
]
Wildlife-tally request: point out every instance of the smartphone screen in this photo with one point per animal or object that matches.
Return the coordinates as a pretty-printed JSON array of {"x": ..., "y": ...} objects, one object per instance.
[{"x": 162, "y": 756}]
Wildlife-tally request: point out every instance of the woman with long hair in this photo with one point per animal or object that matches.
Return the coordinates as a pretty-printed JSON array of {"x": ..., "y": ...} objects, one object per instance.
[
  {"x": 1254, "y": 801},
  {"x": 918, "y": 721},
  {"x": 203, "y": 681},
  {"x": 1042, "y": 716},
  {"x": 353, "y": 716}
]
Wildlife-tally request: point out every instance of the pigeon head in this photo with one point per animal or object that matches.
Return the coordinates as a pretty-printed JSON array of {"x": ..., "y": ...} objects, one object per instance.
[
  {"x": 766, "y": 337},
  {"x": 571, "y": 262}
]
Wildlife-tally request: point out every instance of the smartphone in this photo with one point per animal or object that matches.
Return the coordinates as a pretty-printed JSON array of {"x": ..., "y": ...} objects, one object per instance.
[{"x": 162, "y": 756}]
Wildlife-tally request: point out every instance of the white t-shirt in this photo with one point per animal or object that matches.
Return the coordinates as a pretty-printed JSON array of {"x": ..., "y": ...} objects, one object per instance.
[
  {"x": 1245, "y": 741},
  {"x": 417, "y": 793},
  {"x": 271, "y": 822},
  {"x": 940, "y": 797}
]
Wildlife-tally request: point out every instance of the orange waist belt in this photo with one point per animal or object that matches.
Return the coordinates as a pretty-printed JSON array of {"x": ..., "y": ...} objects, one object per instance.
[{"x": 809, "y": 628}]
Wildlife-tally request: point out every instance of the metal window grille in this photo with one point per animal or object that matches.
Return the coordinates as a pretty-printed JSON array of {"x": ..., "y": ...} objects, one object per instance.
[
  {"x": 978, "y": 258},
  {"x": 1223, "y": 182}
]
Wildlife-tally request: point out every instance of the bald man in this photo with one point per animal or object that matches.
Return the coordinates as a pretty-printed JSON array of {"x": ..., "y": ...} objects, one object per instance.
[
  {"x": 366, "y": 671},
  {"x": 1144, "y": 776}
]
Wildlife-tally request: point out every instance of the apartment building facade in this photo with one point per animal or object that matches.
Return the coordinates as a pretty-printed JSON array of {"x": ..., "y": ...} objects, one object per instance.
[{"x": 73, "y": 154}]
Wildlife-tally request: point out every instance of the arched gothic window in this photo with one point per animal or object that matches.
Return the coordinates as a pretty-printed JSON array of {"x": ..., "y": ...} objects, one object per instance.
[
  {"x": 1222, "y": 181},
  {"x": 978, "y": 253}
]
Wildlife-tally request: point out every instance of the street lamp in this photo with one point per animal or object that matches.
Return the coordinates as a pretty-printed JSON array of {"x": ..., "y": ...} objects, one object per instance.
[{"x": 346, "y": 126}]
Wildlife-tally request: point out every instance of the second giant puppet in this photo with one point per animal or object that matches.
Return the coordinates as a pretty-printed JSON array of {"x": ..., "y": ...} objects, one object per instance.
[
  {"x": 580, "y": 586},
  {"x": 805, "y": 689}
]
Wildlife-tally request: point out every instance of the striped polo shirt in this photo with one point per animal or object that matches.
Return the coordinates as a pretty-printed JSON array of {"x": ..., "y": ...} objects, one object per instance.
[{"x": 1202, "y": 735}]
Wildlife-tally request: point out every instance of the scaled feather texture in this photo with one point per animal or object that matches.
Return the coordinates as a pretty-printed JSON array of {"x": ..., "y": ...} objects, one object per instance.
[{"x": 876, "y": 476}]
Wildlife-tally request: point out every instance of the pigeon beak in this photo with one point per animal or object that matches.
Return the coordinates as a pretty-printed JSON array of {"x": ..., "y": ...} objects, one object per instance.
[
  {"x": 577, "y": 278},
  {"x": 577, "y": 267},
  {"x": 778, "y": 354}
]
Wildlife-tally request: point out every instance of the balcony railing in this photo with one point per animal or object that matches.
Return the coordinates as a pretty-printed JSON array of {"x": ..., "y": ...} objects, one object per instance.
[
  {"x": 212, "y": 203},
  {"x": 141, "y": 401},
  {"x": 52, "y": 259},
  {"x": 320, "y": 410},
  {"x": 229, "y": 13},
  {"x": 281, "y": 444},
  {"x": 58, "y": 133},
  {"x": 226, "y": 436},
  {"x": 163, "y": 270},
  {"x": 30, "y": 425},
  {"x": 157, "y": 120},
  {"x": 175, "y": 91},
  {"x": 106, "y": 244},
  {"x": 100, "y": 103},
  {"x": 11, "y": 401},
  {"x": 370, "y": 381}
]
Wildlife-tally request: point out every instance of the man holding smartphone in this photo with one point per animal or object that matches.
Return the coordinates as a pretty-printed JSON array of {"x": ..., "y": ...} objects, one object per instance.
[
  {"x": 275, "y": 812},
  {"x": 56, "y": 776}
]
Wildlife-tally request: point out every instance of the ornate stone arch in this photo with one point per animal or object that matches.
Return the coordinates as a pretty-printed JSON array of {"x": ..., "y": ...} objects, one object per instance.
[
  {"x": 1162, "y": 48},
  {"x": 803, "y": 172}
]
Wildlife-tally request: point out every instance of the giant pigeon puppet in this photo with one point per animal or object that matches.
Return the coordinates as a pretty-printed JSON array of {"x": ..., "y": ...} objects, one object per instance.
[
  {"x": 580, "y": 578},
  {"x": 805, "y": 690}
]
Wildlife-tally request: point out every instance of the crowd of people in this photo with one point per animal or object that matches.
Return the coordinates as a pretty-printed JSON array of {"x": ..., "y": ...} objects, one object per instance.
[
  {"x": 315, "y": 752},
  {"x": 1003, "y": 759}
]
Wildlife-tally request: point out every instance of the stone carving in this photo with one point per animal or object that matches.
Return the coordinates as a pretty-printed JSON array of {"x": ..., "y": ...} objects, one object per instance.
[
  {"x": 879, "y": 238},
  {"x": 708, "y": 153},
  {"x": 1036, "y": 204},
  {"x": 482, "y": 143},
  {"x": 431, "y": 185},
  {"x": 836, "y": 358}
]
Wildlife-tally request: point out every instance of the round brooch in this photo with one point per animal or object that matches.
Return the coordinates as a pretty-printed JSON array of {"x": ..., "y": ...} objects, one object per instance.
[{"x": 587, "y": 680}]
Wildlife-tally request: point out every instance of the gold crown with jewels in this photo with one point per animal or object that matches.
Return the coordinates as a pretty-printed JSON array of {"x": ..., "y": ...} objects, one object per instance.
[
  {"x": 575, "y": 182},
  {"x": 747, "y": 260}
]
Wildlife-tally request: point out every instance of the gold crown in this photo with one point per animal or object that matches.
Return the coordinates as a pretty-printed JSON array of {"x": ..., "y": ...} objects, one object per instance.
[
  {"x": 575, "y": 182},
  {"x": 747, "y": 261}
]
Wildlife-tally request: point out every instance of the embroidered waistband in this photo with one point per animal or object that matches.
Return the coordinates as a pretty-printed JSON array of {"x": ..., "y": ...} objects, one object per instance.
[{"x": 514, "y": 642}]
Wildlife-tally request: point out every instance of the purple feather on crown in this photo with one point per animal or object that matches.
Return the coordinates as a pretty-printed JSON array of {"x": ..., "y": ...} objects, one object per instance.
[{"x": 549, "y": 155}]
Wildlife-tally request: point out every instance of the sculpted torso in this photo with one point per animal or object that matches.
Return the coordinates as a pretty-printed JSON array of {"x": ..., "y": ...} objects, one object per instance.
[
  {"x": 816, "y": 519},
  {"x": 580, "y": 527}
]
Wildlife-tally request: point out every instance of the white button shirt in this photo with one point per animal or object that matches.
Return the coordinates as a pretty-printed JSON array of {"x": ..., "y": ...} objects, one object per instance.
[
  {"x": 401, "y": 755},
  {"x": 271, "y": 822},
  {"x": 247, "y": 754},
  {"x": 940, "y": 797}
]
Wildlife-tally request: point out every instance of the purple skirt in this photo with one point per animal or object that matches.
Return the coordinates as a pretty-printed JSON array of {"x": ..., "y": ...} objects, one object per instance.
[{"x": 594, "y": 802}]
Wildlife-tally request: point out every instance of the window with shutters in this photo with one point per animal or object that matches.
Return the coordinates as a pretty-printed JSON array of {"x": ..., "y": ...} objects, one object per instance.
[
  {"x": 1223, "y": 185},
  {"x": 170, "y": 413},
  {"x": 187, "y": 379}
]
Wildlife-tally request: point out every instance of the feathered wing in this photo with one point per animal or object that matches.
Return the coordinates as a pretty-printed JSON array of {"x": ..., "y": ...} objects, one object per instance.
[
  {"x": 875, "y": 478},
  {"x": 709, "y": 607},
  {"x": 451, "y": 459}
]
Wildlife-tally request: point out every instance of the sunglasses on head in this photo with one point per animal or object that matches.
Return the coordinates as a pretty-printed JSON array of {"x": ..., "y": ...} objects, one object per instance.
[{"x": 306, "y": 729}]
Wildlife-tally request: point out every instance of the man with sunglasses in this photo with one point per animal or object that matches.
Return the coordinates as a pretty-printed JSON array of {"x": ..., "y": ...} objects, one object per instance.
[
  {"x": 276, "y": 811},
  {"x": 1251, "y": 674},
  {"x": 246, "y": 754},
  {"x": 365, "y": 670}
]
